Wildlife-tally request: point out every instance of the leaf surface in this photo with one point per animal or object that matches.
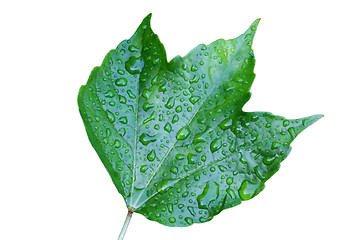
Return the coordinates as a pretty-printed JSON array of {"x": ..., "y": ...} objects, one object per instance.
[{"x": 173, "y": 136}]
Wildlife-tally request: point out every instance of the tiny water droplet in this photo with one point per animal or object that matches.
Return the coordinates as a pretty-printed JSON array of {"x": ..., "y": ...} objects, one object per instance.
[
  {"x": 189, "y": 220},
  {"x": 110, "y": 94},
  {"x": 226, "y": 124},
  {"x": 174, "y": 170}
]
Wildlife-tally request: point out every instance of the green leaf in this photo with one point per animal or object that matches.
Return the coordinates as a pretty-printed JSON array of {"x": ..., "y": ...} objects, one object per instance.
[{"x": 173, "y": 136}]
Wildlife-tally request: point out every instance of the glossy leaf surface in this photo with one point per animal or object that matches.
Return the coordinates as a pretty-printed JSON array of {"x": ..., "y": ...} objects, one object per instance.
[{"x": 173, "y": 136}]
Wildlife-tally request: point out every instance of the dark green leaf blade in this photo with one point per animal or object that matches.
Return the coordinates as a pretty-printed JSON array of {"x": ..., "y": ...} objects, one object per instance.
[{"x": 173, "y": 136}]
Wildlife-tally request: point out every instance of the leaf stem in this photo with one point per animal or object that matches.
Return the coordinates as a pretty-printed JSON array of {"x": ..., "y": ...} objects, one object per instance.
[{"x": 126, "y": 224}]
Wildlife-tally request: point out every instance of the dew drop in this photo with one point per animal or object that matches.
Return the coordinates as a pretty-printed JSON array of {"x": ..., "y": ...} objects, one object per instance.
[
  {"x": 226, "y": 124},
  {"x": 170, "y": 103},
  {"x": 133, "y": 65}
]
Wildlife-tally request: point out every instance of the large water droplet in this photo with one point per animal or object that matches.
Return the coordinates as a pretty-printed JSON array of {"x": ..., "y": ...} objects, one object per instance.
[
  {"x": 133, "y": 65},
  {"x": 146, "y": 139},
  {"x": 183, "y": 133},
  {"x": 121, "y": 82},
  {"x": 247, "y": 190}
]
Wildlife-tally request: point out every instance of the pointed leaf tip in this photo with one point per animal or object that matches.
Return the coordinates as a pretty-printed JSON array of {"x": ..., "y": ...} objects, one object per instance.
[{"x": 312, "y": 119}]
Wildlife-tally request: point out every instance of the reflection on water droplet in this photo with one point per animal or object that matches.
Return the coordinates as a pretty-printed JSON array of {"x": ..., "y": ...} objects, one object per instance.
[
  {"x": 292, "y": 132},
  {"x": 175, "y": 118}
]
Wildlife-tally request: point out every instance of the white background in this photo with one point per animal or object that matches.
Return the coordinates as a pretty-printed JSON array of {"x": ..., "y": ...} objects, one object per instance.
[{"x": 52, "y": 184}]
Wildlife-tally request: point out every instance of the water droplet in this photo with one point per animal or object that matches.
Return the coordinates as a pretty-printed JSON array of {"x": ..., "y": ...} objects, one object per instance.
[
  {"x": 229, "y": 180},
  {"x": 189, "y": 220},
  {"x": 170, "y": 103},
  {"x": 226, "y": 124},
  {"x": 132, "y": 48},
  {"x": 209, "y": 198},
  {"x": 170, "y": 207},
  {"x": 144, "y": 168},
  {"x": 150, "y": 118},
  {"x": 147, "y": 106},
  {"x": 183, "y": 133},
  {"x": 191, "y": 158},
  {"x": 292, "y": 132},
  {"x": 215, "y": 145},
  {"x": 110, "y": 116},
  {"x": 174, "y": 170},
  {"x": 172, "y": 220},
  {"x": 145, "y": 139},
  {"x": 194, "y": 68},
  {"x": 121, "y": 82},
  {"x": 275, "y": 145},
  {"x": 151, "y": 156},
  {"x": 168, "y": 127},
  {"x": 133, "y": 65},
  {"x": 110, "y": 94},
  {"x": 194, "y": 99},
  {"x": 231, "y": 193},
  {"x": 122, "y": 99},
  {"x": 286, "y": 123},
  {"x": 123, "y": 120},
  {"x": 191, "y": 210},
  {"x": 131, "y": 94},
  {"x": 178, "y": 109},
  {"x": 247, "y": 190},
  {"x": 175, "y": 118}
]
